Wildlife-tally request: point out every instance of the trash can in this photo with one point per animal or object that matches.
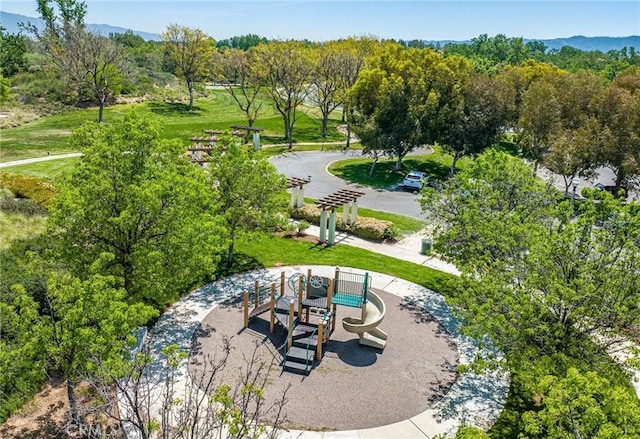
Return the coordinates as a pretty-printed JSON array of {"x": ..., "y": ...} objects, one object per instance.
[{"x": 426, "y": 247}]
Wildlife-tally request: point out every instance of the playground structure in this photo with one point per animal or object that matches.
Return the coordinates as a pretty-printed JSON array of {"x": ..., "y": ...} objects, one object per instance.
[
  {"x": 308, "y": 313},
  {"x": 367, "y": 326}
]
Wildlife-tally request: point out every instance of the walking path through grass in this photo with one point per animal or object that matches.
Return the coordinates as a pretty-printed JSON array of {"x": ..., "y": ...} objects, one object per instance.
[{"x": 39, "y": 159}]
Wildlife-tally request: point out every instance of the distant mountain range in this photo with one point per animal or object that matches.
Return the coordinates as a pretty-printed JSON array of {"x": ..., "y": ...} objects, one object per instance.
[
  {"x": 10, "y": 22},
  {"x": 604, "y": 44}
]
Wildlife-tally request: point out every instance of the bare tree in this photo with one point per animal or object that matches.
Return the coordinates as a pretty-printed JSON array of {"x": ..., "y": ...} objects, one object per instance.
[
  {"x": 236, "y": 71},
  {"x": 97, "y": 68},
  {"x": 327, "y": 89},
  {"x": 148, "y": 402},
  {"x": 86, "y": 60}
]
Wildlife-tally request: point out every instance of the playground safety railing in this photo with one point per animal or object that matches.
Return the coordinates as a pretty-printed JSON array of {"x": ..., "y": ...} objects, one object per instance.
[{"x": 351, "y": 288}]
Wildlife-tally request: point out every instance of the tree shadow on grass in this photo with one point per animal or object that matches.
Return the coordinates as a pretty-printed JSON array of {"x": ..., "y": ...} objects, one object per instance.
[
  {"x": 384, "y": 174},
  {"x": 434, "y": 169},
  {"x": 241, "y": 263},
  {"x": 174, "y": 109}
]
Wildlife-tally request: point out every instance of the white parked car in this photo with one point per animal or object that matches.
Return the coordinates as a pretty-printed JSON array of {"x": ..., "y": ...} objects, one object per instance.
[{"x": 415, "y": 180}]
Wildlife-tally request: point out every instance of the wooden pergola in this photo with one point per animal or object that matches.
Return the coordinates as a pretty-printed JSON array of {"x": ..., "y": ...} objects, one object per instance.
[
  {"x": 247, "y": 130},
  {"x": 344, "y": 197},
  {"x": 210, "y": 140},
  {"x": 297, "y": 194},
  {"x": 202, "y": 148}
]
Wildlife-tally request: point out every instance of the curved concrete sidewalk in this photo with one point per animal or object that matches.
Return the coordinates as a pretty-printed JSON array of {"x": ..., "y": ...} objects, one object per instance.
[
  {"x": 473, "y": 399},
  {"x": 39, "y": 159}
]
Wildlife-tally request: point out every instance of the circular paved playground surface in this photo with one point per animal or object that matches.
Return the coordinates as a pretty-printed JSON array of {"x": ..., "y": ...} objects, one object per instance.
[
  {"x": 354, "y": 386},
  {"x": 394, "y": 384}
]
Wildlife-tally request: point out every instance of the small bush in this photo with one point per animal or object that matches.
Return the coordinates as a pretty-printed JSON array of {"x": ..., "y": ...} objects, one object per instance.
[
  {"x": 369, "y": 228},
  {"x": 366, "y": 228},
  {"x": 302, "y": 227},
  {"x": 24, "y": 186}
]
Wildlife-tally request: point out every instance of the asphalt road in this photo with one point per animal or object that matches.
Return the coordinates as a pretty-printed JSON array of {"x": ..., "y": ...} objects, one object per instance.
[{"x": 314, "y": 164}]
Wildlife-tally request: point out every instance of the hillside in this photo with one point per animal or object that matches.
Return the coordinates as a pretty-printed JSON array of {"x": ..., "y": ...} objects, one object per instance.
[
  {"x": 604, "y": 44},
  {"x": 11, "y": 22}
]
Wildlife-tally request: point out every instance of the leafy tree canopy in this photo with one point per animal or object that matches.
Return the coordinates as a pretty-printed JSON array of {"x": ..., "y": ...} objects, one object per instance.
[
  {"x": 136, "y": 196},
  {"x": 532, "y": 274},
  {"x": 583, "y": 406},
  {"x": 250, "y": 190}
]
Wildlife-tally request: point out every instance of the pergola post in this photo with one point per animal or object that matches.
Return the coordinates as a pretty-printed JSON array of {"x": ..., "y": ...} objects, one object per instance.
[
  {"x": 296, "y": 185},
  {"x": 300, "y": 200},
  {"x": 323, "y": 225},
  {"x": 346, "y": 198},
  {"x": 345, "y": 212},
  {"x": 332, "y": 227},
  {"x": 354, "y": 212}
]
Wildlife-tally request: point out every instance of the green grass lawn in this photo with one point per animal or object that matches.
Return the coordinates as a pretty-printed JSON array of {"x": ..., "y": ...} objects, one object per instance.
[
  {"x": 270, "y": 251},
  {"x": 48, "y": 170},
  {"x": 356, "y": 170},
  {"x": 216, "y": 111},
  {"x": 14, "y": 227}
]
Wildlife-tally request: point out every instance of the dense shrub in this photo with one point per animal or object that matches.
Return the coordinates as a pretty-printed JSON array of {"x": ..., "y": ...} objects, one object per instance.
[
  {"x": 24, "y": 186},
  {"x": 307, "y": 212},
  {"x": 370, "y": 228},
  {"x": 24, "y": 206},
  {"x": 366, "y": 228}
]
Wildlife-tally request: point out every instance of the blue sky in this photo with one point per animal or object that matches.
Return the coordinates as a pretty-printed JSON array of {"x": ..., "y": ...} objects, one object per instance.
[{"x": 322, "y": 20}]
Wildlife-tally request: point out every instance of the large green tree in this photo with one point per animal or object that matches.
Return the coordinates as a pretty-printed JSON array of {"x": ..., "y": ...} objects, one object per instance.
[
  {"x": 23, "y": 341},
  {"x": 583, "y": 406},
  {"x": 250, "y": 190},
  {"x": 285, "y": 72},
  {"x": 574, "y": 143},
  {"x": 12, "y": 53},
  {"x": 188, "y": 53},
  {"x": 532, "y": 274},
  {"x": 136, "y": 196},
  {"x": 89, "y": 319},
  {"x": 476, "y": 117},
  {"x": 539, "y": 119},
  {"x": 402, "y": 99},
  {"x": 619, "y": 133},
  {"x": 487, "y": 53}
]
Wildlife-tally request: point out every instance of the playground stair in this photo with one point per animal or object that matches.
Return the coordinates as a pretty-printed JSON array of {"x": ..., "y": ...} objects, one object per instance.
[
  {"x": 281, "y": 310},
  {"x": 300, "y": 356}
]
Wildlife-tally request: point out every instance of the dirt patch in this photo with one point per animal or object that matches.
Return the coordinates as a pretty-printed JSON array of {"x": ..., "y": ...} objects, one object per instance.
[
  {"x": 301, "y": 238},
  {"x": 44, "y": 417}
]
